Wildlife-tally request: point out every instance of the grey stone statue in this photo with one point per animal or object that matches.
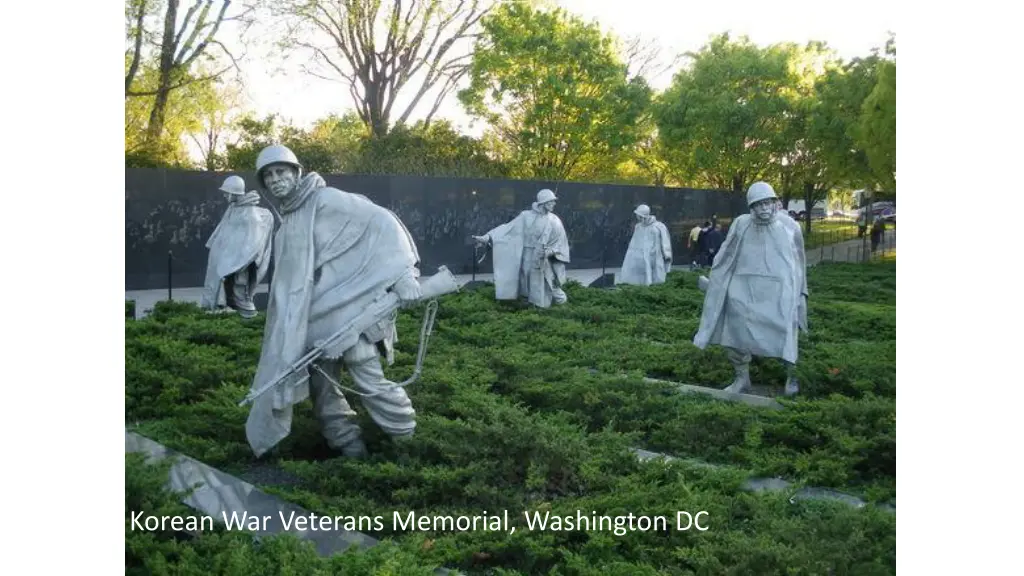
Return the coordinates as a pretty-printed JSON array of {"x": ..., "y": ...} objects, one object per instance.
[
  {"x": 530, "y": 254},
  {"x": 649, "y": 254},
  {"x": 336, "y": 255},
  {"x": 240, "y": 249},
  {"x": 756, "y": 297}
]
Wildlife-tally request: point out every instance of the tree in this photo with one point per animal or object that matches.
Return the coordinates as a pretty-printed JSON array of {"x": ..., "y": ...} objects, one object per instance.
[
  {"x": 186, "y": 107},
  {"x": 810, "y": 128},
  {"x": 553, "y": 90},
  {"x": 878, "y": 122},
  {"x": 840, "y": 93},
  {"x": 725, "y": 113},
  {"x": 172, "y": 53},
  {"x": 377, "y": 54},
  {"x": 215, "y": 123},
  {"x": 647, "y": 162}
]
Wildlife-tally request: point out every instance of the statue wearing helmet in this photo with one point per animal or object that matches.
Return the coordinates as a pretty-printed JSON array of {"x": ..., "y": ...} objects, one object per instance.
[
  {"x": 756, "y": 297},
  {"x": 530, "y": 254},
  {"x": 335, "y": 255},
  {"x": 649, "y": 255},
  {"x": 240, "y": 249}
]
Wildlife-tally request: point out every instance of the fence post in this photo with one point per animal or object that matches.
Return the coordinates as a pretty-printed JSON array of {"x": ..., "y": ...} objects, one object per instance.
[
  {"x": 170, "y": 273},
  {"x": 474, "y": 262},
  {"x": 604, "y": 248}
]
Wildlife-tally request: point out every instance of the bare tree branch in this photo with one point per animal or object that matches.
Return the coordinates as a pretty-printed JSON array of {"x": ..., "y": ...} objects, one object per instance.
[
  {"x": 182, "y": 84},
  {"x": 384, "y": 50},
  {"x": 185, "y": 23},
  {"x": 644, "y": 58},
  {"x": 209, "y": 36}
]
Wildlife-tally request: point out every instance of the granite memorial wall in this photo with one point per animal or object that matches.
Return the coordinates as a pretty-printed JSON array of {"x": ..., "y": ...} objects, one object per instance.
[{"x": 170, "y": 214}]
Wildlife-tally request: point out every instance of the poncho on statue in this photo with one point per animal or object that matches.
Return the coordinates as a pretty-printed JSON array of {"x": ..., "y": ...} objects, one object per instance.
[
  {"x": 242, "y": 238},
  {"x": 757, "y": 284},
  {"x": 649, "y": 254},
  {"x": 334, "y": 253},
  {"x": 530, "y": 254}
]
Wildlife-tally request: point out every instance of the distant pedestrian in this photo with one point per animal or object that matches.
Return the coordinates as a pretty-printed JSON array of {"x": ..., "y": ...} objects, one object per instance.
[
  {"x": 702, "y": 249},
  {"x": 691, "y": 244},
  {"x": 877, "y": 233},
  {"x": 713, "y": 239}
]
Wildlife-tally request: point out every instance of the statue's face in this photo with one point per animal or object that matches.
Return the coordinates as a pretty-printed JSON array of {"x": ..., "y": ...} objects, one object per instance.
[
  {"x": 229, "y": 197},
  {"x": 548, "y": 206},
  {"x": 280, "y": 179},
  {"x": 763, "y": 210}
]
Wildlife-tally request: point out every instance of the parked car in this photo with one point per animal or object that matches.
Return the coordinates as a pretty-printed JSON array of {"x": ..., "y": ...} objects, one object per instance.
[
  {"x": 816, "y": 214},
  {"x": 879, "y": 211}
]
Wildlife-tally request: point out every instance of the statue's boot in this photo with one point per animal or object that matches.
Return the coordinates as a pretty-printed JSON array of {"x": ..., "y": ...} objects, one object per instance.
[
  {"x": 792, "y": 386},
  {"x": 354, "y": 449},
  {"x": 741, "y": 365}
]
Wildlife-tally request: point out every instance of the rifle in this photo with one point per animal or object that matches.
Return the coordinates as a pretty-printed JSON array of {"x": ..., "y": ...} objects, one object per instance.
[
  {"x": 385, "y": 306},
  {"x": 476, "y": 250}
]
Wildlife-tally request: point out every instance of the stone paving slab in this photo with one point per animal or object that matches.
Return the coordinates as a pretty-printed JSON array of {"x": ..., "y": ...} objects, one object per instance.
[
  {"x": 145, "y": 300},
  {"x": 217, "y": 494},
  {"x": 749, "y": 399},
  {"x": 771, "y": 484}
]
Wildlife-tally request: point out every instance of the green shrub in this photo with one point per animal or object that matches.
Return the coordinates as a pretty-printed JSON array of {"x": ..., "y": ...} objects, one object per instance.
[
  {"x": 232, "y": 552},
  {"x": 526, "y": 409}
]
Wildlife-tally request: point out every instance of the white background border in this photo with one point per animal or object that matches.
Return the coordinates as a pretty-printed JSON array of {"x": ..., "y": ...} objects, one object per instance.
[{"x": 62, "y": 240}]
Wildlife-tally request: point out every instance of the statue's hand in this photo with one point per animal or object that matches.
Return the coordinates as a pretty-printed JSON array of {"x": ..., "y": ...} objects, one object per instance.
[
  {"x": 480, "y": 239},
  {"x": 408, "y": 289},
  {"x": 702, "y": 283}
]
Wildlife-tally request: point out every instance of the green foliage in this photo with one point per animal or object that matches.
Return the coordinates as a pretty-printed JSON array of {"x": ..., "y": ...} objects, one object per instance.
[
  {"x": 553, "y": 90},
  {"x": 435, "y": 149},
  {"x": 878, "y": 126},
  {"x": 336, "y": 145},
  {"x": 840, "y": 94},
  {"x": 522, "y": 409},
  {"x": 186, "y": 109},
  {"x": 329, "y": 147}
]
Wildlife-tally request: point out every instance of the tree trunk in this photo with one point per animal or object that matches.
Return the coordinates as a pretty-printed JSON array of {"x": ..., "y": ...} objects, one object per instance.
[
  {"x": 158, "y": 115},
  {"x": 737, "y": 183},
  {"x": 808, "y": 203}
]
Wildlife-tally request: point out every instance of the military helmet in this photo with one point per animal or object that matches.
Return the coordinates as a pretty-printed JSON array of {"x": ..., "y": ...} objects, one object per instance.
[
  {"x": 276, "y": 154},
  {"x": 233, "y": 185},
  {"x": 545, "y": 196},
  {"x": 759, "y": 191}
]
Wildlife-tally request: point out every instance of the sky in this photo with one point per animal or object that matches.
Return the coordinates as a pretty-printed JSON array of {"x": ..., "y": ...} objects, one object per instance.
[{"x": 678, "y": 26}]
